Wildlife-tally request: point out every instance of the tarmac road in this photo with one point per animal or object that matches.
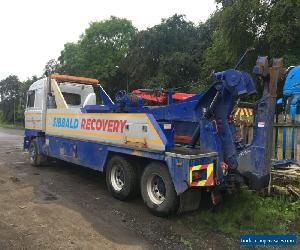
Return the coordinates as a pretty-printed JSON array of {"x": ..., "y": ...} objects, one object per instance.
[{"x": 63, "y": 206}]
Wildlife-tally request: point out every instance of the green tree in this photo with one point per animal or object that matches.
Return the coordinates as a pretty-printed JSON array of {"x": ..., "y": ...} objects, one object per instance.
[
  {"x": 9, "y": 96},
  {"x": 271, "y": 26},
  {"x": 72, "y": 60},
  {"x": 283, "y": 30},
  {"x": 167, "y": 55},
  {"x": 13, "y": 98},
  {"x": 52, "y": 66},
  {"x": 238, "y": 25},
  {"x": 100, "y": 51}
]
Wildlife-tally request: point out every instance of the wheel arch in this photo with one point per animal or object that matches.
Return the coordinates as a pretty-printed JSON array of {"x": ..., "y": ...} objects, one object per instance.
[
  {"x": 139, "y": 159},
  {"x": 29, "y": 135},
  {"x": 138, "y": 162}
]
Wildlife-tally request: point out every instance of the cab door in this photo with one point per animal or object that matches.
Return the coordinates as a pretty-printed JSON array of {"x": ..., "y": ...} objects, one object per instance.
[{"x": 34, "y": 109}]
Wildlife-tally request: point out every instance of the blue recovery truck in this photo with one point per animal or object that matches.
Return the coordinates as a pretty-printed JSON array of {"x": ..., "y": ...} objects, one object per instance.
[
  {"x": 171, "y": 153},
  {"x": 289, "y": 104}
]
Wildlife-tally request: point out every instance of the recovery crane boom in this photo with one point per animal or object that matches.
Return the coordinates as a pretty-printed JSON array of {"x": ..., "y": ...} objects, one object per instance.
[{"x": 203, "y": 121}]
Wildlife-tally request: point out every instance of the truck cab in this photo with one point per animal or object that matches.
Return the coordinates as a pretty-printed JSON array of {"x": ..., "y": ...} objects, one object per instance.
[{"x": 40, "y": 98}]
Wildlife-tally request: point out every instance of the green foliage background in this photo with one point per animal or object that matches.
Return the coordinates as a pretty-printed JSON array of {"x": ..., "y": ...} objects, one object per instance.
[{"x": 175, "y": 54}]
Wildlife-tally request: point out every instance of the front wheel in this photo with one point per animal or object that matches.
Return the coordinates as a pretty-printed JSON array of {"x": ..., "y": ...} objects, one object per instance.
[
  {"x": 36, "y": 159},
  {"x": 158, "y": 191}
]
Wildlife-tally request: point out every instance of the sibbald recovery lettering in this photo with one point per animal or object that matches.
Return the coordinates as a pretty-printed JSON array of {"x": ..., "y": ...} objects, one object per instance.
[{"x": 108, "y": 125}]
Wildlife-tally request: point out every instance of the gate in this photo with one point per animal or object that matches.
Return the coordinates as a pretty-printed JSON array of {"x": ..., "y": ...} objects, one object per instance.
[{"x": 286, "y": 137}]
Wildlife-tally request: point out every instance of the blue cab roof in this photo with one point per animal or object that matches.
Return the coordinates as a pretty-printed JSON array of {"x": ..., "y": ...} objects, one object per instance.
[{"x": 292, "y": 82}]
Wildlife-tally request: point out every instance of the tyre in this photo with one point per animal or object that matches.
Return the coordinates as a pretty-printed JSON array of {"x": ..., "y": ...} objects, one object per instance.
[
  {"x": 121, "y": 178},
  {"x": 158, "y": 191},
  {"x": 36, "y": 159}
]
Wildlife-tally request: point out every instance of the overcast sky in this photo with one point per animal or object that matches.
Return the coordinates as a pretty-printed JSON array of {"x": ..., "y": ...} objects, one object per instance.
[{"x": 35, "y": 31}]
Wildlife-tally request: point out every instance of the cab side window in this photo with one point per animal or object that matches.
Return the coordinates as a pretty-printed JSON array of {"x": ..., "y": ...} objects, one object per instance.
[
  {"x": 30, "y": 99},
  {"x": 72, "y": 98}
]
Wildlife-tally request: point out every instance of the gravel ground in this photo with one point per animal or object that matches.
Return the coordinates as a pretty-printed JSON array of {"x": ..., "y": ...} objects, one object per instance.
[{"x": 63, "y": 206}]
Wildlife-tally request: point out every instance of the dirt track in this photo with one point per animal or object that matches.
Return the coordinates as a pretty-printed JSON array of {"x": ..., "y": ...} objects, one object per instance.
[{"x": 68, "y": 207}]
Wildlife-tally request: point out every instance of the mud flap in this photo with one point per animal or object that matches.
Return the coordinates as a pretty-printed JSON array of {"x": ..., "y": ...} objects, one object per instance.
[
  {"x": 216, "y": 197},
  {"x": 189, "y": 200}
]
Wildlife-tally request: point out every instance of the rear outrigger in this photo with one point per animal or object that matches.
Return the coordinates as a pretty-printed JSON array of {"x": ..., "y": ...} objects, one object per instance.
[{"x": 171, "y": 153}]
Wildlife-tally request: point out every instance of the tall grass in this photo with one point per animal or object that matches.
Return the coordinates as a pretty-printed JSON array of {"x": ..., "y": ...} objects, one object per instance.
[{"x": 247, "y": 212}]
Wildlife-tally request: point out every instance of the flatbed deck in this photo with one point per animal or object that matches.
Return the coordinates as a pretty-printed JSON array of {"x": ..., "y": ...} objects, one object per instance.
[{"x": 190, "y": 153}]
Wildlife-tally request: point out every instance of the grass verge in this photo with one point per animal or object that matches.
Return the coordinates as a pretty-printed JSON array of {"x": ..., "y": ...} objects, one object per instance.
[
  {"x": 246, "y": 213},
  {"x": 8, "y": 125}
]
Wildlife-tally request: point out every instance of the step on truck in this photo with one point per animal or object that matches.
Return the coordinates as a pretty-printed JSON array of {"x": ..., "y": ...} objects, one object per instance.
[{"x": 168, "y": 153}]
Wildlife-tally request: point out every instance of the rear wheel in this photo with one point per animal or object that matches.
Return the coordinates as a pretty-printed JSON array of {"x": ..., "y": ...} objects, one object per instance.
[
  {"x": 158, "y": 191},
  {"x": 36, "y": 159},
  {"x": 121, "y": 178}
]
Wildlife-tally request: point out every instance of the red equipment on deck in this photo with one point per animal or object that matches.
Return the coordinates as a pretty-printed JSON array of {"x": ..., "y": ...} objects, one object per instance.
[{"x": 160, "y": 97}]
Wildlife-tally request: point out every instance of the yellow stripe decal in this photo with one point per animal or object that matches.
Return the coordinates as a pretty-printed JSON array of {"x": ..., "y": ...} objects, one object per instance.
[
  {"x": 101, "y": 135},
  {"x": 33, "y": 114}
]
